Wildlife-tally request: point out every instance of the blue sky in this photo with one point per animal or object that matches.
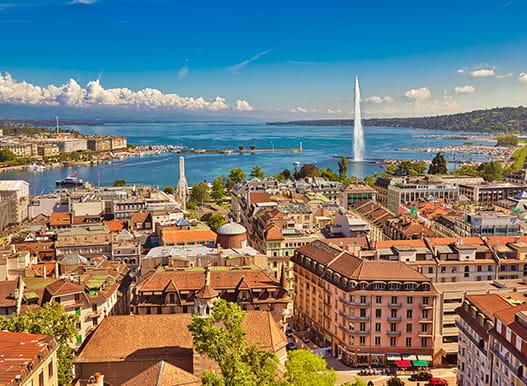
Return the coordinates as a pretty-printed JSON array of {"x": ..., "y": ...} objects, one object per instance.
[{"x": 283, "y": 59}]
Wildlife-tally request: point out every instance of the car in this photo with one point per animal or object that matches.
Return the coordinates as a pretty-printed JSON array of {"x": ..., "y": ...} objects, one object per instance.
[
  {"x": 437, "y": 382},
  {"x": 422, "y": 376},
  {"x": 291, "y": 346}
]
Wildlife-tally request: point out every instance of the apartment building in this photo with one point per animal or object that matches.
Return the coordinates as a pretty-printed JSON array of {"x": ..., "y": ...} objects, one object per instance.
[
  {"x": 490, "y": 192},
  {"x": 362, "y": 309}
]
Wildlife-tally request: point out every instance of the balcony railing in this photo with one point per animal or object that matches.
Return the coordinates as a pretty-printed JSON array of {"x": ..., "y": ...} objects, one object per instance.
[
  {"x": 394, "y": 333},
  {"x": 355, "y": 318},
  {"x": 394, "y": 319},
  {"x": 425, "y": 305},
  {"x": 355, "y": 303},
  {"x": 395, "y": 305}
]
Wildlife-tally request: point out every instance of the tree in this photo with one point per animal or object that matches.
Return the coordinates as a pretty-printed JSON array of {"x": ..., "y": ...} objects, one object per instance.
[
  {"x": 222, "y": 337},
  {"x": 257, "y": 172},
  {"x": 343, "y": 167},
  {"x": 284, "y": 175},
  {"x": 215, "y": 221},
  {"x": 200, "y": 192},
  {"x": 169, "y": 189},
  {"x": 491, "y": 171},
  {"x": 308, "y": 170},
  {"x": 218, "y": 189},
  {"x": 240, "y": 147},
  {"x": 252, "y": 147},
  {"x": 395, "y": 381},
  {"x": 406, "y": 168},
  {"x": 466, "y": 170},
  {"x": 358, "y": 382},
  {"x": 236, "y": 176},
  {"x": 306, "y": 369},
  {"x": 507, "y": 140},
  {"x": 438, "y": 165},
  {"x": 119, "y": 183},
  {"x": 7, "y": 155},
  {"x": 50, "y": 320},
  {"x": 329, "y": 175}
]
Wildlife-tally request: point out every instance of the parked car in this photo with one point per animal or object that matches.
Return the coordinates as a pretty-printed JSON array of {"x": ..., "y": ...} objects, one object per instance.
[
  {"x": 437, "y": 381},
  {"x": 291, "y": 346},
  {"x": 422, "y": 376}
]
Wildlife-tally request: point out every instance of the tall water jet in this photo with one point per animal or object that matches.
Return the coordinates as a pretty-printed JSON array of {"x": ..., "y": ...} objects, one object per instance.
[{"x": 358, "y": 132}]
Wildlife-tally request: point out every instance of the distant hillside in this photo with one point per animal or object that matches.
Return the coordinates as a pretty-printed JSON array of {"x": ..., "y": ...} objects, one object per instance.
[{"x": 504, "y": 119}]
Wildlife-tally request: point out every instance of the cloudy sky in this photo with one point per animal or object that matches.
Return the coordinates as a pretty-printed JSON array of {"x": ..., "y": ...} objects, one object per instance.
[{"x": 264, "y": 59}]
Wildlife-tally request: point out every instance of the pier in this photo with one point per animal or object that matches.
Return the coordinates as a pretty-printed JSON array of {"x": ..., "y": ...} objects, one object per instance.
[{"x": 230, "y": 151}]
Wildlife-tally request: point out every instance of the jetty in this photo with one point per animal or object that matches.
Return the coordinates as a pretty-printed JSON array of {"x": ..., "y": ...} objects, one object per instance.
[{"x": 231, "y": 151}]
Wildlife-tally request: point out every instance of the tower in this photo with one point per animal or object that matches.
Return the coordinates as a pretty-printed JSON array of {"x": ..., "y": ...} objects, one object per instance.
[
  {"x": 205, "y": 297},
  {"x": 182, "y": 186}
]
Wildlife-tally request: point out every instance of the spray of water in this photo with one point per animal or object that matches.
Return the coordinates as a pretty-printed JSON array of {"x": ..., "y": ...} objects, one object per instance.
[{"x": 358, "y": 132}]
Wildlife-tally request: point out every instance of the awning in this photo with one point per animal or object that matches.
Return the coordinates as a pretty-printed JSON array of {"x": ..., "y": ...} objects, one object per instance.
[
  {"x": 427, "y": 358},
  {"x": 393, "y": 357},
  {"x": 403, "y": 363},
  {"x": 410, "y": 357},
  {"x": 420, "y": 363}
]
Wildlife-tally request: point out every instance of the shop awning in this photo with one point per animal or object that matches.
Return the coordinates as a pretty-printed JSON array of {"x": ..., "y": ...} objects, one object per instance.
[
  {"x": 403, "y": 363},
  {"x": 409, "y": 357},
  {"x": 420, "y": 363},
  {"x": 427, "y": 358},
  {"x": 393, "y": 357}
]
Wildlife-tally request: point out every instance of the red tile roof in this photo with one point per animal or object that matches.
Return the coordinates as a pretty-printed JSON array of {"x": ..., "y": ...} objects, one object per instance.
[
  {"x": 164, "y": 374},
  {"x": 259, "y": 197},
  {"x": 186, "y": 235},
  {"x": 60, "y": 218},
  {"x": 115, "y": 225}
]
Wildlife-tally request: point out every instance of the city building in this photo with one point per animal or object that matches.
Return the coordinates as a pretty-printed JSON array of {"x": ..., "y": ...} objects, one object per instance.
[
  {"x": 355, "y": 192},
  {"x": 118, "y": 142},
  {"x": 487, "y": 193},
  {"x": 28, "y": 359},
  {"x": 488, "y": 224},
  {"x": 366, "y": 312},
  {"x": 16, "y": 193}
]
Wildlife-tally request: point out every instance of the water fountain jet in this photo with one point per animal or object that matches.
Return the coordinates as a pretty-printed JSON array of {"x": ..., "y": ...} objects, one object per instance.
[{"x": 358, "y": 132}]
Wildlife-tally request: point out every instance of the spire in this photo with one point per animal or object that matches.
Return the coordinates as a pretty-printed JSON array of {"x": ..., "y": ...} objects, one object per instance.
[
  {"x": 283, "y": 278},
  {"x": 207, "y": 275}
]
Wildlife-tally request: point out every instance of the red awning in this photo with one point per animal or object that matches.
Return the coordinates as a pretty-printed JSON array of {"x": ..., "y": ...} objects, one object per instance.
[{"x": 403, "y": 363}]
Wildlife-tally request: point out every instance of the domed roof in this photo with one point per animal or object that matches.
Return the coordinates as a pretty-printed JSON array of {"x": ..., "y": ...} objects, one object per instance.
[{"x": 231, "y": 228}]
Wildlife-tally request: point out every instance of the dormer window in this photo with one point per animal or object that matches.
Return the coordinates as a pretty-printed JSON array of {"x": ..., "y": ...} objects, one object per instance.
[{"x": 378, "y": 285}]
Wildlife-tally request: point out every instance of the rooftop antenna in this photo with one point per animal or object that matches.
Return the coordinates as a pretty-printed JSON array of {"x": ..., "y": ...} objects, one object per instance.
[
  {"x": 182, "y": 186},
  {"x": 57, "y": 121}
]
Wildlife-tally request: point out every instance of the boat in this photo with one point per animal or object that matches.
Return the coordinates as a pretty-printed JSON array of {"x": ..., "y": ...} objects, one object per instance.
[{"x": 70, "y": 181}]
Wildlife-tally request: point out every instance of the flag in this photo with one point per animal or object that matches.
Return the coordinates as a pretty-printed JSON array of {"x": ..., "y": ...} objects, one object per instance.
[
  {"x": 74, "y": 174},
  {"x": 98, "y": 174}
]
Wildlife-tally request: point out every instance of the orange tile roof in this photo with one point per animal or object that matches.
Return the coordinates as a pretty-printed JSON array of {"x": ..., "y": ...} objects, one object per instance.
[
  {"x": 164, "y": 374},
  {"x": 7, "y": 293},
  {"x": 17, "y": 350},
  {"x": 140, "y": 217},
  {"x": 273, "y": 233},
  {"x": 115, "y": 225},
  {"x": 391, "y": 243},
  {"x": 259, "y": 197},
  {"x": 489, "y": 304},
  {"x": 60, "y": 218},
  {"x": 185, "y": 235}
]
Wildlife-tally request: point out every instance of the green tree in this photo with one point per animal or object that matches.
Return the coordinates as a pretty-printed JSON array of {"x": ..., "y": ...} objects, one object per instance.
[
  {"x": 50, "y": 320},
  {"x": 215, "y": 221},
  {"x": 491, "y": 171},
  {"x": 466, "y": 170},
  {"x": 257, "y": 172},
  {"x": 507, "y": 140},
  {"x": 343, "y": 167},
  {"x": 222, "y": 337},
  {"x": 308, "y": 170},
  {"x": 329, "y": 175},
  {"x": 218, "y": 189},
  {"x": 236, "y": 176},
  {"x": 307, "y": 369},
  {"x": 200, "y": 193},
  {"x": 169, "y": 189},
  {"x": 119, "y": 183},
  {"x": 438, "y": 165},
  {"x": 7, "y": 155},
  {"x": 358, "y": 382},
  {"x": 284, "y": 175},
  {"x": 395, "y": 381},
  {"x": 406, "y": 168}
]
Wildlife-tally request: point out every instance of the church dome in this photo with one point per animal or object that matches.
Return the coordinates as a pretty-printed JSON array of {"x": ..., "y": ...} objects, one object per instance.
[{"x": 231, "y": 228}]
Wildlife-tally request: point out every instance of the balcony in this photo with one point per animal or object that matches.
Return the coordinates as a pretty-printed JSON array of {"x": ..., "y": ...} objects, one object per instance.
[
  {"x": 425, "y": 305},
  {"x": 395, "y": 305},
  {"x": 355, "y": 318},
  {"x": 394, "y": 319},
  {"x": 426, "y": 320},
  {"x": 355, "y": 332},
  {"x": 425, "y": 334},
  {"x": 394, "y": 333},
  {"x": 354, "y": 304}
]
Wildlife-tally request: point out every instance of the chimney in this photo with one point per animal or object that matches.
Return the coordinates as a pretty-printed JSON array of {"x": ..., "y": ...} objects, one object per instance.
[
  {"x": 207, "y": 275},
  {"x": 44, "y": 273}
]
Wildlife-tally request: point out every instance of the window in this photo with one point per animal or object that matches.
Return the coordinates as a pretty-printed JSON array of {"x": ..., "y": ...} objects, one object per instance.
[
  {"x": 362, "y": 326},
  {"x": 408, "y": 342},
  {"x": 363, "y": 299},
  {"x": 95, "y": 321},
  {"x": 378, "y": 313},
  {"x": 77, "y": 297},
  {"x": 425, "y": 299},
  {"x": 424, "y": 327},
  {"x": 394, "y": 299},
  {"x": 362, "y": 312},
  {"x": 377, "y": 341},
  {"x": 410, "y": 300},
  {"x": 393, "y": 327},
  {"x": 393, "y": 341},
  {"x": 430, "y": 269},
  {"x": 408, "y": 327},
  {"x": 424, "y": 342},
  {"x": 409, "y": 314},
  {"x": 377, "y": 327},
  {"x": 362, "y": 340},
  {"x": 378, "y": 299},
  {"x": 425, "y": 314},
  {"x": 50, "y": 369}
]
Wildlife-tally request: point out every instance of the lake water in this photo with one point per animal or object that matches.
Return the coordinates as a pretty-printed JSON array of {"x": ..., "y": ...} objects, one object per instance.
[{"x": 319, "y": 144}]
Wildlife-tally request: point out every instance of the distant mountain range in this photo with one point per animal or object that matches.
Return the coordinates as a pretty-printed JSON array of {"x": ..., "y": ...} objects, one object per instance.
[{"x": 500, "y": 119}]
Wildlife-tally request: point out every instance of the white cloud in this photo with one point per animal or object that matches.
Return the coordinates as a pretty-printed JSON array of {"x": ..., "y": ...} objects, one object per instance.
[
  {"x": 334, "y": 111},
  {"x": 523, "y": 77},
  {"x": 239, "y": 66},
  {"x": 466, "y": 89},
  {"x": 418, "y": 94},
  {"x": 378, "y": 99},
  {"x": 183, "y": 72},
  {"x": 83, "y": 2},
  {"x": 502, "y": 76},
  {"x": 299, "y": 109},
  {"x": 482, "y": 73},
  {"x": 94, "y": 94}
]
